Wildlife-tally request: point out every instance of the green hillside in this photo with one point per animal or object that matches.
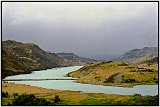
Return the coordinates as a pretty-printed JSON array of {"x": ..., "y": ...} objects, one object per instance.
[{"x": 117, "y": 74}]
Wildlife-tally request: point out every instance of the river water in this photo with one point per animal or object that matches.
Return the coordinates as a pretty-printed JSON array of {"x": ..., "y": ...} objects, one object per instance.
[{"x": 59, "y": 73}]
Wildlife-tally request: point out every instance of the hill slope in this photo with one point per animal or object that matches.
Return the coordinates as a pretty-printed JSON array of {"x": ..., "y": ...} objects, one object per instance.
[
  {"x": 73, "y": 59},
  {"x": 20, "y": 57},
  {"x": 116, "y": 73},
  {"x": 136, "y": 56}
]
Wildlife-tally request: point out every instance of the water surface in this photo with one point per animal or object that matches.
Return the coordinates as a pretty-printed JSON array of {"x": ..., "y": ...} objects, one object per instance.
[{"x": 59, "y": 73}]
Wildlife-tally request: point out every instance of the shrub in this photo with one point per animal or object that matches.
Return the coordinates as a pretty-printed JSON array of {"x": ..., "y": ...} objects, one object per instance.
[
  {"x": 5, "y": 94},
  {"x": 151, "y": 100},
  {"x": 123, "y": 64},
  {"x": 145, "y": 100},
  {"x": 15, "y": 94},
  {"x": 137, "y": 95},
  {"x": 29, "y": 100},
  {"x": 57, "y": 99},
  {"x": 129, "y": 80},
  {"x": 132, "y": 70}
]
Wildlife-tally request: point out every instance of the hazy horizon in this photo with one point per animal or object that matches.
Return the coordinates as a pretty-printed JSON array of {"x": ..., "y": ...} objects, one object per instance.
[{"x": 97, "y": 30}]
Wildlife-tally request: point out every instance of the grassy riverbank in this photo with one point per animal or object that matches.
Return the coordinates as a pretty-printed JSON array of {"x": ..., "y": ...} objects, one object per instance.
[
  {"x": 75, "y": 98},
  {"x": 117, "y": 74}
]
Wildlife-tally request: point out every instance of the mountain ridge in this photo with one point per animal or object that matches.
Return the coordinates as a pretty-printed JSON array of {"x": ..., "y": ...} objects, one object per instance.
[
  {"x": 73, "y": 59},
  {"x": 139, "y": 55}
]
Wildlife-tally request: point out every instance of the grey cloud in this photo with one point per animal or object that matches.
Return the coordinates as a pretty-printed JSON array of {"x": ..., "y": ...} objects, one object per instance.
[{"x": 106, "y": 38}]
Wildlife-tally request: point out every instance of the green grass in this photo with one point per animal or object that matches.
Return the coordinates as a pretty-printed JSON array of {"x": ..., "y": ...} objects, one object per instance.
[{"x": 101, "y": 72}]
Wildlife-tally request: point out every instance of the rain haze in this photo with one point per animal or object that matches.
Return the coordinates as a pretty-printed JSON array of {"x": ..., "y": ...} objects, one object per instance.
[{"x": 98, "y": 30}]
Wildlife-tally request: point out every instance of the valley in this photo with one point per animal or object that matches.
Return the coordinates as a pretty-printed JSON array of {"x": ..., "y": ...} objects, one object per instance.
[
  {"x": 79, "y": 53},
  {"x": 77, "y": 80},
  {"x": 22, "y": 58}
]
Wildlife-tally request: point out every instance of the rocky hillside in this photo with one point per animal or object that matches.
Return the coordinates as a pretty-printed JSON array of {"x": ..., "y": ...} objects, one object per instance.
[
  {"x": 73, "y": 59},
  {"x": 145, "y": 55},
  {"x": 116, "y": 74},
  {"x": 20, "y": 57}
]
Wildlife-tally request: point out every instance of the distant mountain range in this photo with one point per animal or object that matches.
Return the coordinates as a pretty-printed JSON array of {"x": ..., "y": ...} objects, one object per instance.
[
  {"x": 20, "y": 57},
  {"x": 137, "y": 56},
  {"x": 73, "y": 59}
]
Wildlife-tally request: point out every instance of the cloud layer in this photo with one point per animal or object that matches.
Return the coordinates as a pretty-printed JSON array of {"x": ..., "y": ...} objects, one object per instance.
[{"x": 89, "y": 29}]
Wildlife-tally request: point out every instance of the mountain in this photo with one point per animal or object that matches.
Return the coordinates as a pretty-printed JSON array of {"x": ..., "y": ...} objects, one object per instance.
[
  {"x": 20, "y": 57},
  {"x": 137, "y": 56},
  {"x": 73, "y": 59}
]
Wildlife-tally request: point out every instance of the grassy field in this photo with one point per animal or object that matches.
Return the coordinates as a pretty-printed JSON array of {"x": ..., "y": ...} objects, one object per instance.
[
  {"x": 68, "y": 97},
  {"x": 117, "y": 74},
  {"x": 71, "y": 97}
]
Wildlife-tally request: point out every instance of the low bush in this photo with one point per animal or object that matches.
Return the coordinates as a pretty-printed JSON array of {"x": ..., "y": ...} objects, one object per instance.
[
  {"x": 129, "y": 80},
  {"x": 5, "y": 94},
  {"x": 29, "y": 100},
  {"x": 57, "y": 99},
  {"x": 145, "y": 100}
]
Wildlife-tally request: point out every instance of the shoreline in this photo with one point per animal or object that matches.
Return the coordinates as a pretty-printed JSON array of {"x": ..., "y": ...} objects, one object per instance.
[
  {"x": 12, "y": 73},
  {"x": 70, "y": 97},
  {"x": 38, "y": 87},
  {"x": 127, "y": 85}
]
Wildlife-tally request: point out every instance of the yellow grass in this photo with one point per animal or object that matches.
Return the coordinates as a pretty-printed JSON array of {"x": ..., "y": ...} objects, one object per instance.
[
  {"x": 98, "y": 74},
  {"x": 67, "y": 97}
]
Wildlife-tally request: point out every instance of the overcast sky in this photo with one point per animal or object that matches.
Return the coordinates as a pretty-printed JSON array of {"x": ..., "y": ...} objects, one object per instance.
[{"x": 101, "y": 30}]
